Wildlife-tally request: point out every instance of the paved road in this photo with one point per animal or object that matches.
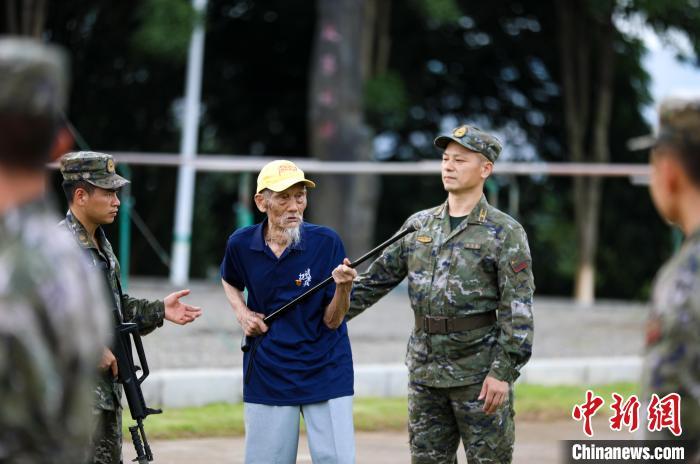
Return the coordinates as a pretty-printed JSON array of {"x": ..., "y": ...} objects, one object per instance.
[
  {"x": 379, "y": 335},
  {"x": 536, "y": 442}
]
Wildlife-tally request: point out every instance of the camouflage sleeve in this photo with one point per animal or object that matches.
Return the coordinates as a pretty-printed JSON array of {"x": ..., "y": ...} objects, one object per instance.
[
  {"x": 516, "y": 286},
  {"x": 385, "y": 273},
  {"x": 54, "y": 323},
  {"x": 673, "y": 338},
  {"x": 675, "y": 352},
  {"x": 45, "y": 383},
  {"x": 147, "y": 314}
]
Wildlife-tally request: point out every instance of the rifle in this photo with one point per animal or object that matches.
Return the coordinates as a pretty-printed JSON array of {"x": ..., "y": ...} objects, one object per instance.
[
  {"x": 246, "y": 341},
  {"x": 124, "y": 333}
]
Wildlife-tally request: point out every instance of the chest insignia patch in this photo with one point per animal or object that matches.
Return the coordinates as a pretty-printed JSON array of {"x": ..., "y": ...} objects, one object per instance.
[
  {"x": 424, "y": 239},
  {"x": 304, "y": 279},
  {"x": 472, "y": 246}
]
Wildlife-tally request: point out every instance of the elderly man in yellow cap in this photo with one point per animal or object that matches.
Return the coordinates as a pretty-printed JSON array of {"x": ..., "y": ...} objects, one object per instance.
[{"x": 304, "y": 363}]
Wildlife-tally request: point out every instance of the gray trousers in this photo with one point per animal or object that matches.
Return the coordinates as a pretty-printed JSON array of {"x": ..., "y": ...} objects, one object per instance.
[{"x": 272, "y": 432}]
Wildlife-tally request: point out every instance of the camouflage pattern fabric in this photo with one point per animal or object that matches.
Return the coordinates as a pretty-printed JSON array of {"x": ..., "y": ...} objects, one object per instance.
[
  {"x": 679, "y": 121},
  {"x": 106, "y": 438},
  {"x": 474, "y": 139},
  {"x": 672, "y": 362},
  {"x": 33, "y": 78},
  {"x": 673, "y": 338},
  {"x": 53, "y": 325},
  {"x": 483, "y": 265},
  {"x": 95, "y": 168},
  {"x": 147, "y": 314},
  {"x": 679, "y": 124},
  {"x": 438, "y": 417}
]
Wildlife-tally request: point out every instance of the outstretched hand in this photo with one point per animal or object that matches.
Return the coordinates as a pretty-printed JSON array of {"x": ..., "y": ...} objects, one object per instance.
[{"x": 178, "y": 312}]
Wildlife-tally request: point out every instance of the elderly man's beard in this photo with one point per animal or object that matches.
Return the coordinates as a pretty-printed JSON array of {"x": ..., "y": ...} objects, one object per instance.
[{"x": 293, "y": 234}]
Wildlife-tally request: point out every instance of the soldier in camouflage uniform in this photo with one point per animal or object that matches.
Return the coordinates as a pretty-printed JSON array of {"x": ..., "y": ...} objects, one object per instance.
[
  {"x": 53, "y": 313},
  {"x": 91, "y": 185},
  {"x": 672, "y": 362},
  {"x": 470, "y": 285}
]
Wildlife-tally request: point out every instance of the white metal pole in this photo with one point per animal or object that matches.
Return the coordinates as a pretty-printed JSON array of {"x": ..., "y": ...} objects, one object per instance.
[{"x": 182, "y": 233}]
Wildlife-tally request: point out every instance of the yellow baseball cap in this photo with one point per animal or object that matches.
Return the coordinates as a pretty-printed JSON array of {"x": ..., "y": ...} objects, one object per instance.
[{"x": 279, "y": 175}]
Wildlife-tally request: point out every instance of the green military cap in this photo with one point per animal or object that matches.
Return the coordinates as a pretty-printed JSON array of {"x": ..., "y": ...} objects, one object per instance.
[
  {"x": 474, "y": 139},
  {"x": 679, "y": 124},
  {"x": 92, "y": 167},
  {"x": 33, "y": 78}
]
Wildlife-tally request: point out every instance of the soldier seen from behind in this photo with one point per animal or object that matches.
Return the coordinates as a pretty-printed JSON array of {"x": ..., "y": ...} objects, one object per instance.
[
  {"x": 672, "y": 364},
  {"x": 91, "y": 185},
  {"x": 54, "y": 316},
  {"x": 470, "y": 285}
]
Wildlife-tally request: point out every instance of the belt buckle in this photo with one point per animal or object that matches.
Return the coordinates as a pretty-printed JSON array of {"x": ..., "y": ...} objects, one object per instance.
[{"x": 436, "y": 324}]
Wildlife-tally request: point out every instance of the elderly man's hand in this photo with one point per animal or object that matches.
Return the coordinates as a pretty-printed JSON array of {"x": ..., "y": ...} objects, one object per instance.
[
  {"x": 343, "y": 275},
  {"x": 252, "y": 323}
]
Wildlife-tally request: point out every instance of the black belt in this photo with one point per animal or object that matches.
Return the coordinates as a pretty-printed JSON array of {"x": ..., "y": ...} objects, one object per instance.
[{"x": 445, "y": 325}]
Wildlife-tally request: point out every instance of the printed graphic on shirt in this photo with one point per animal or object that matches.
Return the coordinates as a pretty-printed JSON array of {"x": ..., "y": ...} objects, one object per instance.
[{"x": 304, "y": 279}]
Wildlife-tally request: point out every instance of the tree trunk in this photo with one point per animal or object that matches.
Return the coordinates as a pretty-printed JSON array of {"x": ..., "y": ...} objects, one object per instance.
[
  {"x": 336, "y": 121},
  {"x": 577, "y": 29},
  {"x": 25, "y": 17}
]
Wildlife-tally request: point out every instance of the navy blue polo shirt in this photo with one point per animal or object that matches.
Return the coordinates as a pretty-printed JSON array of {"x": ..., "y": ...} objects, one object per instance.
[{"x": 300, "y": 360}]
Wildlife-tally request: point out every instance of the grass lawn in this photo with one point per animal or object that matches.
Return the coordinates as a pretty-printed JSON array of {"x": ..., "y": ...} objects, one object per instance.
[{"x": 533, "y": 402}]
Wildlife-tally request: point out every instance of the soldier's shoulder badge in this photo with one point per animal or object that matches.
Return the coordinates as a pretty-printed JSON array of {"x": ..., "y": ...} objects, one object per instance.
[
  {"x": 460, "y": 132},
  {"x": 424, "y": 239},
  {"x": 518, "y": 265},
  {"x": 653, "y": 331}
]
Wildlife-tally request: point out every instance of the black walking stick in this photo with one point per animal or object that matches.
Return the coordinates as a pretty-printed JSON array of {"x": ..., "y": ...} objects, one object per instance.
[{"x": 246, "y": 344}]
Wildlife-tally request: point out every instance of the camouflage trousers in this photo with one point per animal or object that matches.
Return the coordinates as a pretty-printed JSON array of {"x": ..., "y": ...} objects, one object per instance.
[
  {"x": 439, "y": 417},
  {"x": 106, "y": 439}
]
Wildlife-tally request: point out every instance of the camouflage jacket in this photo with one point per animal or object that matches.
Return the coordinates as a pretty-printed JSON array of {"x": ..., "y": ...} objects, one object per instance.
[
  {"x": 672, "y": 363},
  {"x": 483, "y": 265},
  {"x": 53, "y": 325},
  {"x": 147, "y": 314}
]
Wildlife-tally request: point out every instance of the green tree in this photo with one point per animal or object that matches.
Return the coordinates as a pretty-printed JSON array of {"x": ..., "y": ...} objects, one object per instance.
[
  {"x": 586, "y": 38},
  {"x": 426, "y": 65},
  {"x": 589, "y": 51},
  {"x": 337, "y": 130}
]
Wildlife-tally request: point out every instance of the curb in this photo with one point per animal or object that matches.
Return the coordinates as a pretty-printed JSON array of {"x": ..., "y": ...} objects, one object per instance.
[{"x": 178, "y": 388}]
